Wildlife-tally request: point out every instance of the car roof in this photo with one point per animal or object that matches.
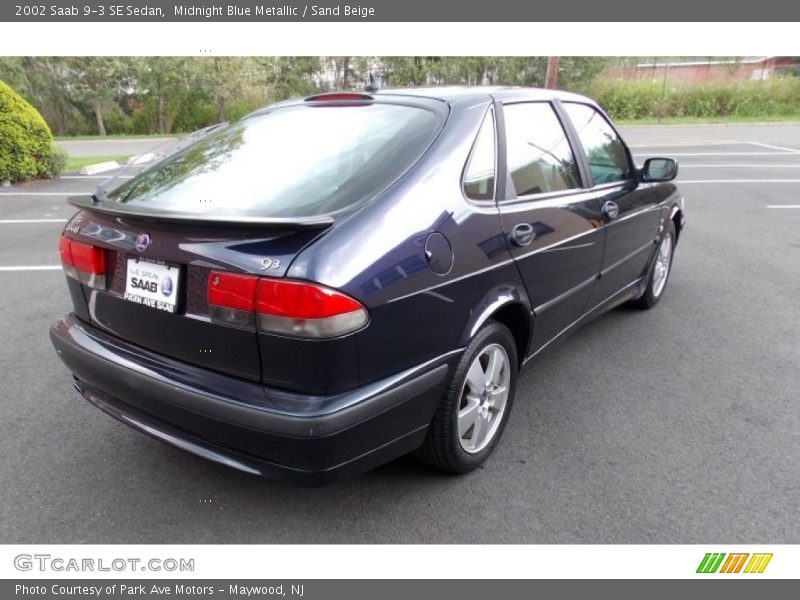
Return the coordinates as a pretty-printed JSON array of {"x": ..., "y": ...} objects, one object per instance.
[
  {"x": 451, "y": 96},
  {"x": 453, "y": 93}
]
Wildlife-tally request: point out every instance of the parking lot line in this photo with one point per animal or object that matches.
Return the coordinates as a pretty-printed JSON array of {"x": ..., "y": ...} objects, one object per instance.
[
  {"x": 18, "y": 221},
  {"x": 783, "y": 205},
  {"x": 45, "y": 193},
  {"x": 742, "y": 166},
  {"x": 682, "y": 181},
  {"x": 31, "y": 268},
  {"x": 689, "y": 144},
  {"x": 97, "y": 176},
  {"x": 763, "y": 145},
  {"x": 767, "y": 153}
]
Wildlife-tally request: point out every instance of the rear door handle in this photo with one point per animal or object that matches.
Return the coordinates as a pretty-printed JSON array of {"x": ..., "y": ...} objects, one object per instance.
[
  {"x": 523, "y": 234},
  {"x": 610, "y": 209}
]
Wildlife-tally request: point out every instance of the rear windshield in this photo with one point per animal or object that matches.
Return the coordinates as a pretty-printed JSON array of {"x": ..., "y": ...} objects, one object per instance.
[{"x": 298, "y": 161}]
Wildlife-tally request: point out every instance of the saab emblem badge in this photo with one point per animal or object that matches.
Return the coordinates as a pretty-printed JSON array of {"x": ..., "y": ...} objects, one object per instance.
[{"x": 142, "y": 242}]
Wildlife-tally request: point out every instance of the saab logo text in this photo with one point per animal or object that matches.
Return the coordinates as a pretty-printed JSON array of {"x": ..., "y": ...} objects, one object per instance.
[{"x": 735, "y": 562}]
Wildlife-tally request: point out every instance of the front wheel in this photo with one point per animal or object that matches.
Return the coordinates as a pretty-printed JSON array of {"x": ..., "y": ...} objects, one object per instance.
[
  {"x": 476, "y": 404},
  {"x": 659, "y": 272}
]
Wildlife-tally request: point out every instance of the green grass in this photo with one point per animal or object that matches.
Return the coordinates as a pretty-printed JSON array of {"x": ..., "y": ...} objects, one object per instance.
[
  {"x": 74, "y": 163},
  {"x": 732, "y": 120},
  {"x": 133, "y": 136}
]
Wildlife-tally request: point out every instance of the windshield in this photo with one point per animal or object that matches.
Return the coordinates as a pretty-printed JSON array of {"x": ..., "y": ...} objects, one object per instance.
[{"x": 297, "y": 161}]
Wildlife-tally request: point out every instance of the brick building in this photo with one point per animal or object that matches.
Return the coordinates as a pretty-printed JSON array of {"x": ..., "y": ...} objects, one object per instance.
[{"x": 702, "y": 71}]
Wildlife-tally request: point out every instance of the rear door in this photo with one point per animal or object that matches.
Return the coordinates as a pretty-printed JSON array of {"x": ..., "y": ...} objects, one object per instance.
[
  {"x": 551, "y": 221},
  {"x": 630, "y": 212}
]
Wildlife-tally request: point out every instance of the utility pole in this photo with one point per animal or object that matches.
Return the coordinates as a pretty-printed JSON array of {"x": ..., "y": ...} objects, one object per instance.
[{"x": 551, "y": 79}]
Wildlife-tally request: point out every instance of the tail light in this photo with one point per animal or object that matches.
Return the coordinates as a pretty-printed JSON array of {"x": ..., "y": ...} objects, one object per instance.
[
  {"x": 294, "y": 308},
  {"x": 306, "y": 309},
  {"x": 83, "y": 262},
  {"x": 232, "y": 298}
]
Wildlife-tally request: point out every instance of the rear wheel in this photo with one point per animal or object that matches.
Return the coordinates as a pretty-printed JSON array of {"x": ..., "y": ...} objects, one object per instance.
[
  {"x": 476, "y": 404},
  {"x": 659, "y": 271}
]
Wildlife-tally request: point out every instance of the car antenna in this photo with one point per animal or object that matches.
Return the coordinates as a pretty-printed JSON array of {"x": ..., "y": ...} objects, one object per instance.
[{"x": 371, "y": 86}]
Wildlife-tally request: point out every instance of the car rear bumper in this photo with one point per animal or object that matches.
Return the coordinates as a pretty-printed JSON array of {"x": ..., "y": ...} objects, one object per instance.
[{"x": 299, "y": 439}]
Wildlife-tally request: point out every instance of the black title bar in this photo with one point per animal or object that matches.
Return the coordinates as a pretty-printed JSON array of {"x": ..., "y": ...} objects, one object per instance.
[{"x": 401, "y": 10}]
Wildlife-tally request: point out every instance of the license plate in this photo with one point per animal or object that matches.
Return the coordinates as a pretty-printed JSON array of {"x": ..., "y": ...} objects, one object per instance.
[{"x": 152, "y": 284}]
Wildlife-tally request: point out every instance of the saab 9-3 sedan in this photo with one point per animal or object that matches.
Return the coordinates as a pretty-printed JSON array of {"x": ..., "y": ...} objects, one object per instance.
[{"x": 336, "y": 281}]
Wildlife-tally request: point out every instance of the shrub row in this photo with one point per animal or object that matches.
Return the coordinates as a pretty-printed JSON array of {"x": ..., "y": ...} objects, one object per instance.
[
  {"x": 644, "y": 99},
  {"x": 26, "y": 144}
]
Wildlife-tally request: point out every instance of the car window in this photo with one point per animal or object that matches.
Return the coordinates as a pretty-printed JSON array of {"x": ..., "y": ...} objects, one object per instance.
[
  {"x": 479, "y": 174},
  {"x": 296, "y": 161},
  {"x": 540, "y": 159},
  {"x": 608, "y": 160}
]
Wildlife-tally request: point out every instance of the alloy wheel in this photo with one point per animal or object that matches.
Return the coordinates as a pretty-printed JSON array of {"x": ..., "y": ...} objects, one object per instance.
[
  {"x": 663, "y": 263},
  {"x": 483, "y": 398}
]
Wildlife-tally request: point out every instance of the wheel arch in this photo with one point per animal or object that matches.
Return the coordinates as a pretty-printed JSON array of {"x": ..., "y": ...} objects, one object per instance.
[
  {"x": 678, "y": 218},
  {"x": 510, "y": 306}
]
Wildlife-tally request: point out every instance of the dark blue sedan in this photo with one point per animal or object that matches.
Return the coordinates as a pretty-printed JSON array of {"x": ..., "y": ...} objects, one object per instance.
[{"x": 331, "y": 283}]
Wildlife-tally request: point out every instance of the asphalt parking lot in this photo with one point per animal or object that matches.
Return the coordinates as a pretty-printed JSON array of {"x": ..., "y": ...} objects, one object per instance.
[{"x": 677, "y": 425}]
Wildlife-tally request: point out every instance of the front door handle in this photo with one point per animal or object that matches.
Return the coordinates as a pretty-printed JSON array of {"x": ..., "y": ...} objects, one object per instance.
[
  {"x": 523, "y": 234},
  {"x": 610, "y": 209}
]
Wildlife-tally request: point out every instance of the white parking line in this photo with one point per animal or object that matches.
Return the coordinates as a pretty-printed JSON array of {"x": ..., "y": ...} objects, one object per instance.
[
  {"x": 682, "y": 181},
  {"x": 17, "y": 221},
  {"x": 45, "y": 193},
  {"x": 32, "y": 268},
  {"x": 783, "y": 205},
  {"x": 731, "y": 166},
  {"x": 716, "y": 143},
  {"x": 792, "y": 153},
  {"x": 684, "y": 144},
  {"x": 97, "y": 177},
  {"x": 793, "y": 150}
]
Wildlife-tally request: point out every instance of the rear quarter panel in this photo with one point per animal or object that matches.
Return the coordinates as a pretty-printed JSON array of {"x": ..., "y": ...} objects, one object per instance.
[{"x": 378, "y": 257}]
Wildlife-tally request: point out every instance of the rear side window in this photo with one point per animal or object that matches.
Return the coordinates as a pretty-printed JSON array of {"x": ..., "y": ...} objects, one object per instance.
[
  {"x": 608, "y": 160},
  {"x": 539, "y": 157},
  {"x": 480, "y": 171},
  {"x": 297, "y": 161}
]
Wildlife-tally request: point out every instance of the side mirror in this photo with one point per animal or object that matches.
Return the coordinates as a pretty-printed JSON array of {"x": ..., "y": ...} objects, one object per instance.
[{"x": 659, "y": 169}]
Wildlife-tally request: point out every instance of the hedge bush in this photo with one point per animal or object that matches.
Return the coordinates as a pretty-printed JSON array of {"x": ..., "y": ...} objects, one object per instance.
[
  {"x": 26, "y": 144},
  {"x": 648, "y": 99}
]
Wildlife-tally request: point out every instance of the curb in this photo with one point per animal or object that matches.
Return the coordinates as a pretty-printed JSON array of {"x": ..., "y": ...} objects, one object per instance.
[{"x": 99, "y": 168}]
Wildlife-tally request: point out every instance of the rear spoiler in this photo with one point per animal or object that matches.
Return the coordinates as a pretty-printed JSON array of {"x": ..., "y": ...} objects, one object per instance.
[{"x": 116, "y": 209}]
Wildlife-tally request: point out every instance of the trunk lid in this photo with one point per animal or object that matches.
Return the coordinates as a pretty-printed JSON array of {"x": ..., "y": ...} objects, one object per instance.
[{"x": 190, "y": 250}]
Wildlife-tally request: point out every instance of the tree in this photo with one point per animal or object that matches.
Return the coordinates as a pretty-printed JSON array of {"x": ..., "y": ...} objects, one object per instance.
[
  {"x": 95, "y": 80},
  {"x": 43, "y": 82},
  {"x": 165, "y": 94},
  {"x": 292, "y": 76},
  {"x": 577, "y": 72},
  {"x": 406, "y": 70},
  {"x": 224, "y": 76},
  {"x": 165, "y": 80},
  {"x": 551, "y": 80}
]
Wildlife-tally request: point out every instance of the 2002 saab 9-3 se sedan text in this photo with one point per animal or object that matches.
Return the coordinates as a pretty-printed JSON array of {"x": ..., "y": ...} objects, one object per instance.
[{"x": 334, "y": 282}]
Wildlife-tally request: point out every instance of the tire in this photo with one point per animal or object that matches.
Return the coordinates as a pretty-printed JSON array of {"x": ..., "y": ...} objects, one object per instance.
[
  {"x": 451, "y": 444},
  {"x": 658, "y": 275}
]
